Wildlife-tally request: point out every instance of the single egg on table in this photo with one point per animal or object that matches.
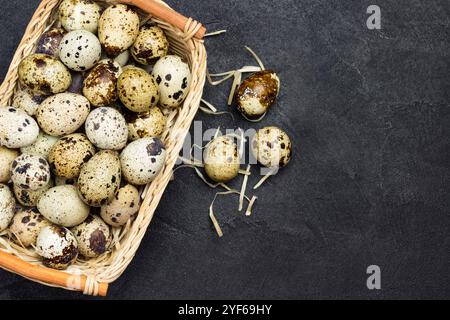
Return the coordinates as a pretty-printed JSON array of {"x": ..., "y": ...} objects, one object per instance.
[
  {"x": 272, "y": 147},
  {"x": 221, "y": 159}
]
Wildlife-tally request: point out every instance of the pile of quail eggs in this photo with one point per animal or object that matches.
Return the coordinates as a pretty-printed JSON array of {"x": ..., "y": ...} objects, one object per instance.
[{"x": 82, "y": 134}]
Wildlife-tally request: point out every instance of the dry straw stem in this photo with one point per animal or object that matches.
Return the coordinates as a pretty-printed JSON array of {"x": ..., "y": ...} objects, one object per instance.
[{"x": 93, "y": 276}]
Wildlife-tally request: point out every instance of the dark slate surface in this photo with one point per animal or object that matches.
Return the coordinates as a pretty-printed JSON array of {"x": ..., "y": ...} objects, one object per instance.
[{"x": 368, "y": 112}]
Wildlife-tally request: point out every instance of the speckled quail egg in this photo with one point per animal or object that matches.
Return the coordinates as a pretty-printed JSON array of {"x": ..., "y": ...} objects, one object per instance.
[
  {"x": 17, "y": 128},
  {"x": 106, "y": 128},
  {"x": 146, "y": 124},
  {"x": 150, "y": 45},
  {"x": 80, "y": 50},
  {"x": 137, "y": 89},
  {"x": 44, "y": 74},
  {"x": 142, "y": 160},
  {"x": 63, "y": 206},
  {"x": 100, "y": 84},
  {"x": 79, "y": 14},
  {"x": 49, "y": 42},
  {"x": 30, "y": 198},
  {"x": 30, "y": 172},
  {"x": 122, "y": 208},
  {"x": 27, "y": 101},
  {"x": 173, "y": 78},
  {"x": 69, "y": 154},
  {"x": 118, "y": 28},
  {"x": 257, "y": 93},
  {"x": 222, "y": 159},
  {"x": 26, "y": 226},
  {"x": 7, "y": 206},
  {"x": 93, "y": 236},
  {"x": 77, "y": 83},
  {"x": 99, "y": 178},
  {"x": 7, "y": 156},
  {"x": 62, "y": 113},
  {"x": 41, "y": 147},
  {"x": 272, "y": 147},
  {"x": 57, "y": 246}
]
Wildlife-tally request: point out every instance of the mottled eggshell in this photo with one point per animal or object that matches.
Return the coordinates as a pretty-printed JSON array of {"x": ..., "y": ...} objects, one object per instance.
[
  {"x": 41, "y": 147},
  {"x": 49, "y": 42},
  {"x": 137, "y": 89},
  {"x": 93, "y": 237},
  {"x": 222, "y": 159},
  {"x": 57, "y": 246},
  {"x": 122, "y": 208},
  {"x": 44, "y": 74},
  {"x": 272, "y": 147},
  {"x": 142, "y": 160},
  {"x": 173, "y": 78},
  {"x": 146, "y": 124},
  {"x": 30, "y": 172},
  {"x": 99, "y": 178},
  {"x": 150, "y": 45},
  {"x": 69, "y": 154},
  {"x": 17, "y": 128},
  {"x": 79, "y": 14},
  {"x": 26, "y": 226},
  {"x": 7, "y": 156},
  {"x": 118, "y": 28},
  {"x": 106, "y": 128},
  {"x": 257, "y": 93},
  {"x": 100, "y": 84},
  {"x": 80, "y": 50},
  {"x": 7, "y": 206},
  {"x": 62, "y": 205},
  {"x": 27, "y": 101},
  {"x": 62, "y": 113},
  {"x": 30, "y": 198}
]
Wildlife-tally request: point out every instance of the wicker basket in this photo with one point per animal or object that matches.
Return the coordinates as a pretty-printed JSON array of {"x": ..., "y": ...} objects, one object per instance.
[{"x": 93, "y": 276}]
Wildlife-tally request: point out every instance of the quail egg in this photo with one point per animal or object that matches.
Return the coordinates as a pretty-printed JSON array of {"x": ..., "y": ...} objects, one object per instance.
[
  {"x": 7, "y": 206},
  {"x": 79, "y": 14},
  {"x": 146, "y": 124},
  {"x": 122, "y": 59},
  {"x": 62, "y": 113},
  {"x": 80, "y": 50},
  {"x": 44, "y": 74},
  {"x": 137, "y": 90},
  {"x": 26, "y": 226},
  {"x": 49, "y": 42},
  {"x": 122, "y": 208},
  {"x": 30, "y": 198},
  {"x": 93, "y": 237},
  {"x": 173, "y": 78},
  {"x": 150, "y": 45},
  {"x": 142, "y": 160},
  {"x": 41, "y": 147},
  {"x": 100, "y": 84},
  {"x": 17, "y": 128},
  {"x": 27, "y": 101},
  {"x": 57, "y": 246},
  {"x": 77, "y": 83},
  {"x": 63, "y": 206},
  {"x": 222, "y": 159},
  {"x": 106, "y": 128},
  {"x": 272, "y": 147},
  {"x": 7, "y": 156},
  {"x": 30, "y": 172},
  {"x": 69, "y": 154},
  {"x": 118, "y": 28},
  {"x": 99, "y": 178}
]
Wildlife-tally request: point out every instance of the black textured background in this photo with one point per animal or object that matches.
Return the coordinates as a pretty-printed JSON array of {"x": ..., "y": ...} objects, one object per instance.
[{"x": 368, "y": 113}]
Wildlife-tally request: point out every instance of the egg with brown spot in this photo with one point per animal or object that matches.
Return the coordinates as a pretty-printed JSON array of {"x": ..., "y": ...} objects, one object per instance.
[
  {"x": 99, "y": 178},
  {"x": 150, "y": 45},
  {"x": 272, "y": 147},
  {"x": 30, "y": 172},
  {"x": 7, "y": 206},
  {"x": 17, "y": 128},
  {"x": 49, "y": 42},
  {"x": 79, "y": 14},
  {"x": 69, "y": 154},
  {"x": 123, "y": 207},
  {"x": 26, "y": 226},
  {"x": 7, "y": 156},
  {"x": 27, "y": 101},
  {"x": 100, "y": 84},
  {"x": 93, "y": 237},
  {"x": 146, "y": 124},
  {"x": 30, "y": 198},
  {"x": 106, "y": 128},
  {"x": 41, "y": 147},
  {"x": 221, "y": 159},
  {"x": 44, "y": 74}
]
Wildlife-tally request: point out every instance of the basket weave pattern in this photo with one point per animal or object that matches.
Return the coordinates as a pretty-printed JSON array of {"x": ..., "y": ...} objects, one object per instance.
[{"x": 90, "y": 276}]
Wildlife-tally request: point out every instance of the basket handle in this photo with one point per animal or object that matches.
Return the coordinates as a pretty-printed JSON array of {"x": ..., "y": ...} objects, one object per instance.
[{"x": 165, "y": 13}]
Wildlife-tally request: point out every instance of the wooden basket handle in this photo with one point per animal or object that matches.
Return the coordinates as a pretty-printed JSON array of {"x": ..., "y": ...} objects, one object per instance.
[{"x": 165, "y": 13}]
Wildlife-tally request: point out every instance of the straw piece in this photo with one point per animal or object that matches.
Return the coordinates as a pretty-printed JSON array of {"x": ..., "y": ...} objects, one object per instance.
[
  {"x": 244, "y": 186},
  {"x": 250, "y": 206},
  {"x": 214, "y": 33},
  {"x": 264, "y": 178}
]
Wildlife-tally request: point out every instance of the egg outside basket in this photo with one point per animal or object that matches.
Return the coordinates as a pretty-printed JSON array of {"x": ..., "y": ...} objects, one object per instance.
[{"x": 93, "y": 276}]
